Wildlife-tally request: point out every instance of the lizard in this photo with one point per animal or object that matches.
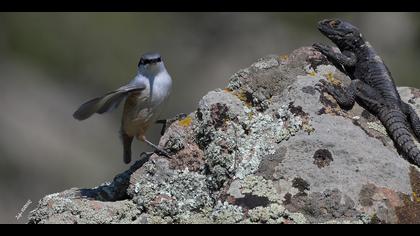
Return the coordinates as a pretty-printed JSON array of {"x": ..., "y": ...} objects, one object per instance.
[{"x": 372, "y": 85}]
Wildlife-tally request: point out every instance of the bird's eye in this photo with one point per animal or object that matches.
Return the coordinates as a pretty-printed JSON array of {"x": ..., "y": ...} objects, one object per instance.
[{"x": 335, "y": 23}]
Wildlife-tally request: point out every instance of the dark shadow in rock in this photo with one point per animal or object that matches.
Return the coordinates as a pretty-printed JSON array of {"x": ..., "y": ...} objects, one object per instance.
[
  {"x": 117, "y": 189},
  {"x": 322, "y": 158},
  {"x": 300, "y": 184},
  {"x": 251, "y": 201}
]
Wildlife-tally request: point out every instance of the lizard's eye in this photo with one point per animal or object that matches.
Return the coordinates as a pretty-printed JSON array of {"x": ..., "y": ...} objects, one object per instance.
[{"x": 335, "y": 23}]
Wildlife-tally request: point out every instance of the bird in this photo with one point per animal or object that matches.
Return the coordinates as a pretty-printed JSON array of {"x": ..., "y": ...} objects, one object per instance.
[{"x": 144, "y": 98}]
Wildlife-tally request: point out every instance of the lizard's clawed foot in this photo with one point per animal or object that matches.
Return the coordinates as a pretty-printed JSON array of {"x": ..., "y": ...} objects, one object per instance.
[
  {"x": 169, "y": 121},
  {"x": 324, "y": 86},
  {"x": 320, "y": 86},
  {"x": 324, "y": 49}
]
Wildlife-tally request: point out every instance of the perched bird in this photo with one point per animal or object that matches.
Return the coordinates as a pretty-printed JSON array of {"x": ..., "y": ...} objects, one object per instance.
[{"x": 144, "y": 97}]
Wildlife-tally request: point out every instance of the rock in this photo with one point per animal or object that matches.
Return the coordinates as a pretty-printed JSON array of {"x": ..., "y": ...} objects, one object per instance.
[{"x": 268, "y": 148}]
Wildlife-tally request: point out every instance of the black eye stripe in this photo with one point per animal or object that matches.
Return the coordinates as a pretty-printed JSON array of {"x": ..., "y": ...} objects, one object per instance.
[{"x": 149, "y": 61}]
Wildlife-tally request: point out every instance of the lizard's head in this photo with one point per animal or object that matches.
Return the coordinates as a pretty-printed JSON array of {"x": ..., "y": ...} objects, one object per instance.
[{"x": 342, "y": 33}]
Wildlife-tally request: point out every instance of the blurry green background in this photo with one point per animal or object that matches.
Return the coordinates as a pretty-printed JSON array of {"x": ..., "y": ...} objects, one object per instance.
[{"x": 52, "y": 62}]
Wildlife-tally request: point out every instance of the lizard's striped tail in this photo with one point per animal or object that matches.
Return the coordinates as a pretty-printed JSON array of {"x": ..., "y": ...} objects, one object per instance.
[{"x": 397, "y": 126}]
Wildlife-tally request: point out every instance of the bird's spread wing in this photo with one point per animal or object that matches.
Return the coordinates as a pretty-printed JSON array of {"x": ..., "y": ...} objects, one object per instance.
[{"x": 105, "y": 103}]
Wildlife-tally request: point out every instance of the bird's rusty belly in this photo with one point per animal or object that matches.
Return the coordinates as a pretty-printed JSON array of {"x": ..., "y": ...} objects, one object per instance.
[
  {"x": 136, "y": 123},
  {"x": 139, "y": 114}
]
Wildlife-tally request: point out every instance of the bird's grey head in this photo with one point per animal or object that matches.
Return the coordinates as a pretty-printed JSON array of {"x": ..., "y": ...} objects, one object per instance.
[{"x": 151, "y": 63}]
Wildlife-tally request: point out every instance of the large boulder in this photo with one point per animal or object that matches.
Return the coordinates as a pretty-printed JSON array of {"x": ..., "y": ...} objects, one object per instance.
[{"x": 268, "y": 148}]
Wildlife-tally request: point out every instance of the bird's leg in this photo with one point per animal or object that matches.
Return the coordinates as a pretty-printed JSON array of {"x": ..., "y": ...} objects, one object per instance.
[
  {"x": 167, "y": 122},
  {"x": 158, "y": 150},
  {"x": 127, "y": 140}
]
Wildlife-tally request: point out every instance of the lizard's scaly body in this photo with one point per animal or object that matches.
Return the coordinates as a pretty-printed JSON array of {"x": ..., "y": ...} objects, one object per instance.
[{"x": 372, "y": 84}]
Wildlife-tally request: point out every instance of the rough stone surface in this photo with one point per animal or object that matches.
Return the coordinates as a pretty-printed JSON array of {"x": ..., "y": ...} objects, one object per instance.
[{"x": 268, "y": 148}]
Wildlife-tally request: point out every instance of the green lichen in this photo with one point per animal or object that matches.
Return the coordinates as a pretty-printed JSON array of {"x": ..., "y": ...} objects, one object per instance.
[
  {"x": 225, "y": 213},
  {"x": 172, "y": 193},
  {"x": 153, "y": 219},
  {"x": 247, "y": 135},
  {"x": 258, "y": 186},
  {"x": 297, "y": 218},
  {"x": 235, "y": 81},
  {"x": 222, "y": 213},
  {"x": 377, "y": 127},
  {"x": 194, "y": 218},
  {"x": 266, "y": 63},
  {"x": 272, "y": 214},
  {"x": 346, "y": 222},
  {"x": 264, "y": 131}
]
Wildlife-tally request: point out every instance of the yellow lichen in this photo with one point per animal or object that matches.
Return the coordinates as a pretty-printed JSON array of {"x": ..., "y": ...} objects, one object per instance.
[
  {"x": 415, "y": 197},
  {"x": 284, "y": 57},
  {"x": 330, "y": 78},
  {"x": 227, "y": 90},
  {"x": 242, "y": 96},
  {"x": 312, "y": 73},
  {"x": 250, "y": 115},
  {"x": 308, "y": 128},
  {"x": 185, "y": 122}
]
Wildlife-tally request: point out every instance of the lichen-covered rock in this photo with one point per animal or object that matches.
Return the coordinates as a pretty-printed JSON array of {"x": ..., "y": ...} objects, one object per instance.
[{"x": 268, "y": 148}]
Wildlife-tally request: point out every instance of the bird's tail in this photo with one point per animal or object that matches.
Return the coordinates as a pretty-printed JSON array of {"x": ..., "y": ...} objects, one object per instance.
[
  {"x": 127, "y": 140},
  {"x": 397, "y": 126}
]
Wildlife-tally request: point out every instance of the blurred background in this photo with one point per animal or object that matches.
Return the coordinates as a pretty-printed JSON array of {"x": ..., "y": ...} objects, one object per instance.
[{"x": 52, "y": 62}]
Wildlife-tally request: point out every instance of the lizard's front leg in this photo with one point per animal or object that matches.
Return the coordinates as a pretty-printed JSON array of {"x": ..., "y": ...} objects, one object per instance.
[
  {"x": 345, "y": 97},
  {"x": 345, "y": 58}
]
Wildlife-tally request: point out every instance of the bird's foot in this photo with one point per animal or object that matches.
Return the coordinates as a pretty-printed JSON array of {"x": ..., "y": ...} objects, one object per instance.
[
  {"x": 161, "y": 152},
  {"x": 168, "y": 122}
]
